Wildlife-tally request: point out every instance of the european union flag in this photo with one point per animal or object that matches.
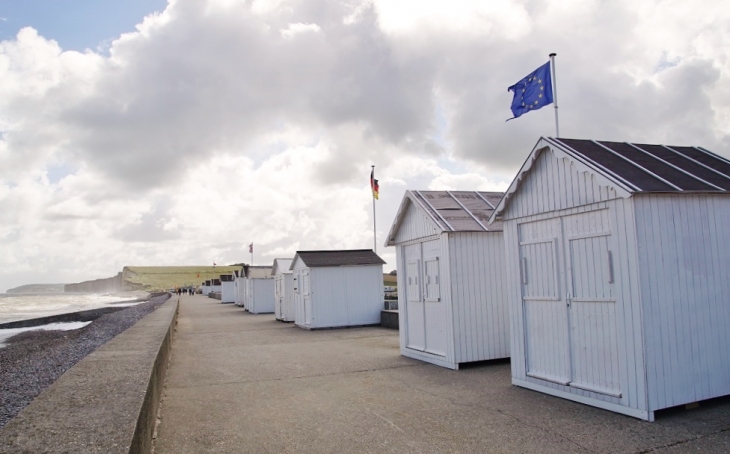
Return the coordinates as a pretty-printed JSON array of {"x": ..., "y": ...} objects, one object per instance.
[{"x": 532, "y": 92}]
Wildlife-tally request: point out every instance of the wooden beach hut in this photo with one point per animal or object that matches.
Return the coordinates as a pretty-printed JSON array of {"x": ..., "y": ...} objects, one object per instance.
[
  {"x": 283, "y": 290},
  {"x": 227, "y": 288},
  {"x": 617, "y": 260},
  {"x": 215, "y": 285},
  {"x": 258, "y": 289},
  {"x": 452, "y": 306},
  {"x": 236, "y": 283},
  {"x": 337, "y": 288}
]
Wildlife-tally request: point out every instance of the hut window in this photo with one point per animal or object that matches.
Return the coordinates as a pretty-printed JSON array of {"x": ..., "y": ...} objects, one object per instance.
[
  {"x": 433, "y": 290},
  {"x": 414, "y": 289}
]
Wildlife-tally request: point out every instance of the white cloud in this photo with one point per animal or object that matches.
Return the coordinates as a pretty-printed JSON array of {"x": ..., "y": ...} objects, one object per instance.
[
  {"x": 217, "y": 123},
  {"x": 297, "y": 29}
]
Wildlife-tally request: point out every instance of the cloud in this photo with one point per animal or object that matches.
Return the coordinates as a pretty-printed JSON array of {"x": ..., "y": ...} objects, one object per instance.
[
  {"x": 217, "y": 123},
  {"x": 296, "y": 29}
]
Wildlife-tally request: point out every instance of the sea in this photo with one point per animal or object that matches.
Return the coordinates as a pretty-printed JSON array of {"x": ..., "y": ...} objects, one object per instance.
[{"x": 24, "y": 306}]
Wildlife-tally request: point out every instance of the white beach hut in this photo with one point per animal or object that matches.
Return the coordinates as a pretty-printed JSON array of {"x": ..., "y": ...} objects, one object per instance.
[
  {"x": 227, "y": 288},
  {"x": 452, "y": 306},
  {"x": 240, "y": 296},
  {"x": 206, "y": 287},
  {"x": 283, "y": 290},
  {"x": 236, "y": 275},
  {"x": 215, "y": 285},
  {"x": 337, "y": 288},
  {"x": 258, "y": 289},
  {"x": 618, "y": 264}
]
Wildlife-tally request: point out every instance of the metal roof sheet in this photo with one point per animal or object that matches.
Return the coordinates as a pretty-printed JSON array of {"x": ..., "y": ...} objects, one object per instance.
[
  {"x": 656, "y": 168},
  {"x": 348, "y": 257},
  {"x": 451, "y": 211}
]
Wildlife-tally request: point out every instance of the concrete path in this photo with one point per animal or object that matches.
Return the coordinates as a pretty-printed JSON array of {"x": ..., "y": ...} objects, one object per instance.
[{"x": 246, "y": 383}]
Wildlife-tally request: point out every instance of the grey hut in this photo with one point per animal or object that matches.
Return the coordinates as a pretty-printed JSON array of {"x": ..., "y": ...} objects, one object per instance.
[
  {"x": 451, "y": 302},
  {"x": 617, "y": 258},
  {"x": 337, "y": 288}
]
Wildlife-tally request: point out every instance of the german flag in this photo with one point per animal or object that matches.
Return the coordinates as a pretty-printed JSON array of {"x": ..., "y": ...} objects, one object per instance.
[{"x": 374, "y": 184}]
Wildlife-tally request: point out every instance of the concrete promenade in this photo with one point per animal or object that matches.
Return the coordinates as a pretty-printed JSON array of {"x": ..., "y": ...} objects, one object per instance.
[{"x": 246, "y": 383}]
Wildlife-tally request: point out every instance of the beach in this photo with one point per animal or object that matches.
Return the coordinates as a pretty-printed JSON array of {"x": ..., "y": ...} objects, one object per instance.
[
  {"x": 33, "y": 360},
  {"x": 23, "y": 306}
]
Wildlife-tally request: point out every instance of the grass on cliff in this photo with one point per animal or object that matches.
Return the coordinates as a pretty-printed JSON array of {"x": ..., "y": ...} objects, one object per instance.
[{"x": 167, "y": 277}]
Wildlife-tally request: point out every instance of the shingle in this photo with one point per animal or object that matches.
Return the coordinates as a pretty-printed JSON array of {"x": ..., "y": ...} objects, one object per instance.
[{"x": 340, "y": 258}]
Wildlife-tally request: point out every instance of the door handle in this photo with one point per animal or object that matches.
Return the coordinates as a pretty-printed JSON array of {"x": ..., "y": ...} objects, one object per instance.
[{"x": 567, "y": 299}]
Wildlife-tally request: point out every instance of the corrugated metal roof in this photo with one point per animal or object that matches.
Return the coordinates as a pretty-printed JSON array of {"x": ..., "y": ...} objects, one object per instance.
[
  {"x": 339, "y": 258},
  {"x": 256, "y": 272},
  {"x": 451, "y": 211},
  {"x": 655, "y": 168},
  {"x": 282, "y": 264}
]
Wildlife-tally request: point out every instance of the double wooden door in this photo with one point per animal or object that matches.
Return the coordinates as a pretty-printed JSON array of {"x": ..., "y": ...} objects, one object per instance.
[
  {"x": 425, "y": 309},
  {"x": 569, "y": 303}
]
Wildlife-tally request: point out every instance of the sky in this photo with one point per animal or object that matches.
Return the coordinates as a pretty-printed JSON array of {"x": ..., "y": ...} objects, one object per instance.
[{"x": 151, "y": 133}]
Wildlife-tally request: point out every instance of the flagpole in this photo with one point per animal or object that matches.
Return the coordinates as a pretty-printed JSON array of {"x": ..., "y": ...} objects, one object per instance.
[
  {"x": 375, "y": 235},
  {"x": 555, "y": 93}
]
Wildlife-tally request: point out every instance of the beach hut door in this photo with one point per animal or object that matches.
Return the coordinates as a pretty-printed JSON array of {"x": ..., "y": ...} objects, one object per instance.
[
  {"x": 415, "y": 311},
  {"x": 570, "y": 334},
  {"x": 306, "y": 297},
  {"x": 592, "y": 303},
  {"x": 543, "y": 305}
]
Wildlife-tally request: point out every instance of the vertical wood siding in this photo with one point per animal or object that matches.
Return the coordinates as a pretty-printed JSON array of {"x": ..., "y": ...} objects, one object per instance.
[
  {"x": 346, "y": 296},
  {"x": 288, "y": 309},
  {"x": 261, "y": 297},
  {"x": 477, "y": 287},
  {"x": 554, "y": 184},
  {"x": 415, "y": 225},
  {"x": 227, "y": 295},
  {"x": 684, "y": 255}
]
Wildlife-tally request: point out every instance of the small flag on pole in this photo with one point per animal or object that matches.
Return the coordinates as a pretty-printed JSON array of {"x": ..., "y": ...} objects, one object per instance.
[
  {"x": 250, "y": 248},
  {"x": 213, "y": 263},
  {"x": 374, "y": 185},
  {"x": 532, "y": 92}
]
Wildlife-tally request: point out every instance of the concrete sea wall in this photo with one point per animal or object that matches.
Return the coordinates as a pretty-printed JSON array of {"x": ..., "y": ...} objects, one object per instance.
[{"x": 107, "y": 402}]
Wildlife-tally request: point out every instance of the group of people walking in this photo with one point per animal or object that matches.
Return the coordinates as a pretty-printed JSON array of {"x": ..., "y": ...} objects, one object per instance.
[{"x": 185, "y": 290}]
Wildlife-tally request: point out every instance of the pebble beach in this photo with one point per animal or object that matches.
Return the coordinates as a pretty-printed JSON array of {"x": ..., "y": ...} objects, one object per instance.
[{"x": 32, "y": 360}]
